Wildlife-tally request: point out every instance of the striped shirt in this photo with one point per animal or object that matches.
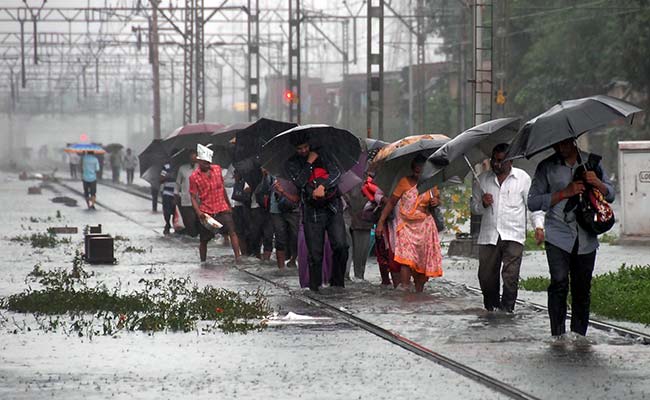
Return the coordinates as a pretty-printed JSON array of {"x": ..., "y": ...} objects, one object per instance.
[
  {"x": 506, "y": 217},
  {"x": 168, "y": 184}
]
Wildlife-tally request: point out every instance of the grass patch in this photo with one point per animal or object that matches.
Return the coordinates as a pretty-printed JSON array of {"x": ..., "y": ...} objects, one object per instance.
[
  {"x": 609, "y": 238},
  {"x": 174, "y": 304},
  {"x": 530, "y": 244},
  {"x": 41, "y": 240},
  {"x": 134, "y": 249},
  {"x": 621, "y": 295},
  {"x": 45, "y": 219},
  {"x": 120, "y": 238}
]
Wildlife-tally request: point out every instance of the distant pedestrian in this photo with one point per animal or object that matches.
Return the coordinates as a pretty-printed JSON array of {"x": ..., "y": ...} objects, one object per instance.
[
  {"x": 500, "y": 196},
  {"x": 90, "y": 166},
  {"x": 209, "y": 199},
  {"x": 183, "y": 197},
  {"x": 167, "y": 186},
  {"x": 73, "y": 160},
  {"x": 116, "y": 165},
  {"x": 130, "y": 164},
  {"x": 316, "y": 178},
  {"x": 570, "y": 248}
]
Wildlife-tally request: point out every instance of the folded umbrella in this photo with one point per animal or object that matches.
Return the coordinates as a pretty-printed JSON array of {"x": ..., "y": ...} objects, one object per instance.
[
  {"x": 398, "y": 163},
  {"x": 568, "y": 119},
  {"x": 341, "y": 146},
  {"x": 188, "y": 136},
  {"x": 458, "y": 156}
]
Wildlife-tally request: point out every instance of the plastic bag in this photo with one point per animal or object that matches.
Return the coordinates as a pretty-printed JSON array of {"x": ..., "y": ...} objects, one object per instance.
[{"x": 177, "y": 222}]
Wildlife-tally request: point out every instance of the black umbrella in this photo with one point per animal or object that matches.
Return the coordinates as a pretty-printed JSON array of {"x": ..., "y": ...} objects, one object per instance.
[
  {"x": 568, "y": 119},
  {"x": 154, "y": 154},
  {"x": 113, "y": 147},
  {"x": 249, "y": 142},
  {"x": 398, "y": 164},
  {"x": 341, "y": 146},
  {"x": 457, "y": 157}
]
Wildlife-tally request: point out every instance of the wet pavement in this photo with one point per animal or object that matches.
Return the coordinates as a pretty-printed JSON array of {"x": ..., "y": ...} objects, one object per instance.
[{"x": 323, "y": 359}]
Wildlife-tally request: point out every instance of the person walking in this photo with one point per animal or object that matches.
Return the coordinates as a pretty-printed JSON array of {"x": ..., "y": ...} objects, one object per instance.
[
  {"x": 167, "y": 186},
  {"x": 285, "y": 217},
  {"x": 116, "y": 165},
  {"x": 73, "y": 159},
  {"x": 130, "y": 163},
  {"x": 209, "y": 199},
  {"x": 500, "y": 196},
  {"x": 359, "y": 230},
  {"x": 90, "y": 167},
  {"x": 570, "y": 248},
  {"x": 417, "y": 244},
  {"x": 316, "y": 178},
  {"x": 261, "y": 227},
  {"x": 183, "y": 197}
]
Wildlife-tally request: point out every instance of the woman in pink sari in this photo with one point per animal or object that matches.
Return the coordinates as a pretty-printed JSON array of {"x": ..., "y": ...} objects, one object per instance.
[{"x": 417, "y": 245}]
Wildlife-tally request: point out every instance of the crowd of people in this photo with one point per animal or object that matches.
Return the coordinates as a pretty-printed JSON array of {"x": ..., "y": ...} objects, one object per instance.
[{"x": 327, "y": 234}]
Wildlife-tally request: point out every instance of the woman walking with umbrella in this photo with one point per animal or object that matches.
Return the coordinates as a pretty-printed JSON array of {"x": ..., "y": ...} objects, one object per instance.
[{"x": 417, "y": 245}]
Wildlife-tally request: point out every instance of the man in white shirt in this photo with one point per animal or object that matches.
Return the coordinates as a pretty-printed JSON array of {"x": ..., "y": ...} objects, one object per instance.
[
  {"x": 500, "y": 197},
  {"x": 183, "y": 197}
]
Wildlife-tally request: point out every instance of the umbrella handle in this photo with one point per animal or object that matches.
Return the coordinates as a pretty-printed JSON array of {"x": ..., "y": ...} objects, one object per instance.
[{"x": 471, "y": 167}]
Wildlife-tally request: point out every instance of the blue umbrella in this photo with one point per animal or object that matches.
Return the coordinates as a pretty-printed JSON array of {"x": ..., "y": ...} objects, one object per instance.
[{"x": 84, "y": 147}]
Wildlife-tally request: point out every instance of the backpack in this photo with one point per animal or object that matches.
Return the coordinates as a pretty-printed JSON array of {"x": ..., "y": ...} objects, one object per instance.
[
  {"x": 262, "y": 193},
  {"x": 593, "y": 212},
  {"x": 239, "y": 194}
]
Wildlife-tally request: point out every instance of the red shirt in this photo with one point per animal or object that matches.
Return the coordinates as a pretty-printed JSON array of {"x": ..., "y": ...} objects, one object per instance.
[{"x": 210, "y": 190}]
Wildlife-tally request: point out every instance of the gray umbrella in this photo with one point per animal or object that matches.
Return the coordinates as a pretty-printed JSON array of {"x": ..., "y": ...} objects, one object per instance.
[
  {"x": 568, "y": 119},
  {"x": 457, "y": 157},
  {"x": 398, "y": 164}
]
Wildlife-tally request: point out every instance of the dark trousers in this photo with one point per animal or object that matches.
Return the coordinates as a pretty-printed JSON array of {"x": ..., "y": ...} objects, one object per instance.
[
  {"x": 261, "y": 231},
  {"x": 360, "y": 249},
  {"x": 242, "y": 218},
  {"x": 168, "y": 209},
  {"x": 574, "y": 269},
  {"x": 73, "y": 171},
  {"x": 503, "y": 259},
  {"x": 285, "y": 227},
  {"x": 116, "y": 175},
  {"x": 190, "y": 220},
  {"x": 316, "y": 222},
  {"x": 129, "y": 176},
  {"x": 154, "y": 198}
]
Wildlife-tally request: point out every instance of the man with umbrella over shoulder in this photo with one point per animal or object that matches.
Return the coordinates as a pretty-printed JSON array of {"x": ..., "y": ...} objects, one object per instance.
[
  {"x": 316, "y": 177},
  {"x": 560, "y": 187}
]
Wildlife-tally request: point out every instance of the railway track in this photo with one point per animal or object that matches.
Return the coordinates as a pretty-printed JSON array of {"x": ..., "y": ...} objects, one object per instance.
[{"x": 392, "y": 337}]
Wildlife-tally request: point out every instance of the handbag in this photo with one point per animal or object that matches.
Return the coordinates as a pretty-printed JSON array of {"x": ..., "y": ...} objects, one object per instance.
[
  {"x": 371, "y": 212},
  {"x": 593, "y": 213},
  {"x": 239, "y": 194}
]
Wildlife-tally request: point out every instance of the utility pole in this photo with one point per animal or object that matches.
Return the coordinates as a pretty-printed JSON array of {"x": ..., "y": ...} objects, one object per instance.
[
  {"x": 199, "y": 48},
  {"x": 294, "y": 61},
  {"x": 253, "y": 60},
  {"x": 155, "y": 68},
  {"x": 375, "y": 69},
  {"x": 188, "y": 55}
]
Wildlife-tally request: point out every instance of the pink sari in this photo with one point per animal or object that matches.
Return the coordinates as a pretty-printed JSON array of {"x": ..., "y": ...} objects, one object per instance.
[{"x": 417, "y": 244}]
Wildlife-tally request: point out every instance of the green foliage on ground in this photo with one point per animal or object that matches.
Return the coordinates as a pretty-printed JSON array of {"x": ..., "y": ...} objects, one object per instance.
[
  {"x": 621, "y": 295},
  {"x": 68, "y": 301},
  {"x": 41, "y": 240},
  {"x": 531, "y": 244}
]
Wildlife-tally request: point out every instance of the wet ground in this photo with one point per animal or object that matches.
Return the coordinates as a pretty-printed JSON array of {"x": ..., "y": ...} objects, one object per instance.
[{"x": 322, "y": 359}]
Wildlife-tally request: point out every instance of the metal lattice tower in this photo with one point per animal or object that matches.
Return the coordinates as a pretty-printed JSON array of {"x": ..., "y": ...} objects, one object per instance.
[
  {"x": 294, "y": 60},
  {"x": 188, "y": 56},
  {"x": 253, "y": 60},
  {"x": 421, "y": 80},
  {"x": 483, "y": 45},
  {"x": 199, "y": 60},
  {"x": 375, "y": 61}
]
